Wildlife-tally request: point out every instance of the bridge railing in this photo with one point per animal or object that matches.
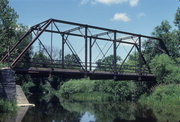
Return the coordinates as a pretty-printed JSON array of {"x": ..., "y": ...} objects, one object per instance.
[{"x": 94, "y": 67}]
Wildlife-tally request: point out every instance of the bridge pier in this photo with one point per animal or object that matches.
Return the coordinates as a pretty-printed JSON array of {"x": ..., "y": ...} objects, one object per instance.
[{"x": 7, "y": 84}]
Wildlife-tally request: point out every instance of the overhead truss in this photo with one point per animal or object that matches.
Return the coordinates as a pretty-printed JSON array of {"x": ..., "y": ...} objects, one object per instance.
[{"x": 90, "y": 34}]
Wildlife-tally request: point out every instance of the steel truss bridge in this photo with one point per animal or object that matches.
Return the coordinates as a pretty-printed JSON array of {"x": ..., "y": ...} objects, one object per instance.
[{"x": 96, "y": 42}]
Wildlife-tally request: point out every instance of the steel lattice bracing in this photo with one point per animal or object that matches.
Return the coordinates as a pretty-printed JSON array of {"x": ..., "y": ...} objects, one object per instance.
[{"x": 90, "y": 37}]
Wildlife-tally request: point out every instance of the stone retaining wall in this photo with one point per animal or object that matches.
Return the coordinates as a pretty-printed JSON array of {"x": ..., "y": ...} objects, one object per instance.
[{"x": 7, "y": 84}]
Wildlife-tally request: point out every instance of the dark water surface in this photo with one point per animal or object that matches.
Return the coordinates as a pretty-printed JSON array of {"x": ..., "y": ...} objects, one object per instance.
[{"x": 51, "y": 109}]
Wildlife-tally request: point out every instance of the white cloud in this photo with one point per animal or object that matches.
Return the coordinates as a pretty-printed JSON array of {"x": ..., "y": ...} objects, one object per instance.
[
  {"x": 142, "y": 14},
  {"x": 133, "y": 2},
  {"x": 121, "y": 17},
  {"x": 110, "y": 2},
  {"x": 84, "y": 2}
]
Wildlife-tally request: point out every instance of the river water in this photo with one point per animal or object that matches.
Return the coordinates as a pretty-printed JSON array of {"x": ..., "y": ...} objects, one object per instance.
[{"x": 52, "y": 109}]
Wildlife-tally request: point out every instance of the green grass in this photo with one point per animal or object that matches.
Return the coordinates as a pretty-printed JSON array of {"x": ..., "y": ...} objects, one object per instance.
[
  {"x": 163, "y": 95},
  {"x": 164, "y": 101},
  {"x": 7, "y": 106},
  {"x": 92, "y": 96},
  {"x": 3, "y": 65}
]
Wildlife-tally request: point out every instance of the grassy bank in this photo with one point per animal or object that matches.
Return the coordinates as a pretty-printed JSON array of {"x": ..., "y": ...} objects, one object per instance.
[
  {"x": 7, "y": 106},
  {"x": 2, "y": 65},
  {"x": 163, "y": 95},
  {"x": 164, "y": 101},
  {"x": 99, "y": 90}
]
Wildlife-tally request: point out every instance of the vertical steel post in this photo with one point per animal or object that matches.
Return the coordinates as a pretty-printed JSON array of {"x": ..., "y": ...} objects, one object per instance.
[
  {"x": 114, "y": 53},
  {"x": 90, "y": 54},
  {"x": 51, "y": 42},
  {"x": 86, "y": 47},
  {"x": 140, "y": 58},
  {"x": 62, "y": 51}
]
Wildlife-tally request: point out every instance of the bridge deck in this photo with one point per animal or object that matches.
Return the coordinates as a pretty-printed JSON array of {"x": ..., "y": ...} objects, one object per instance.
[{"x": 66, "y": 73}]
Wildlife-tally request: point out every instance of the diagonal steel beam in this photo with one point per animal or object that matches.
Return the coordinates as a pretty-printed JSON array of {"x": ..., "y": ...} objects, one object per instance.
[
  {"x": 80, "y": 35},
  {"x": 43, "y": 47},
  {"x": 73, "y": 29},
  {"x": 29, "y": 45},
  {"x": 102, "y": 34},
  {"x": 126, "y": 57},
  {"x": 17, "y": 43},
  {"x": 70, "y": 46},
  {"x": 42, "y": 23},
  {"x": 149, "y": 69}
]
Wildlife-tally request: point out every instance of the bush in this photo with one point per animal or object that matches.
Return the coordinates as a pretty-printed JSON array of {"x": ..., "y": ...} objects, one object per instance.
[
  {"x": 3, "y": 65},
  {"x": 7, "y": 106},
  {"x": 27, "y": 86},
  {"x": 166, "y": 70},
  {"x": 163, "y": 95},
  {"x": 164, "y": 101},
  {"x": 106, "y": 89}
]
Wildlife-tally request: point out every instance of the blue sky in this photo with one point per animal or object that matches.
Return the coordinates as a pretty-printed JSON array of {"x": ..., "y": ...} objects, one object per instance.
[{"x": 138, "y": 16}]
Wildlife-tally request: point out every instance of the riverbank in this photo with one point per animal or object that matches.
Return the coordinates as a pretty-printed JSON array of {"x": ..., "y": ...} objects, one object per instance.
[
  {"x": 108, "y": 90},
  {"x": 163, "y": 95},
  {"x": 164, "y": 101}
]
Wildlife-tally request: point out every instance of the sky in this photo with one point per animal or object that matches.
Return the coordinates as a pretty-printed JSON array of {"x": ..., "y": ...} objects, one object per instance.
[{"x": 136, "y": 16}]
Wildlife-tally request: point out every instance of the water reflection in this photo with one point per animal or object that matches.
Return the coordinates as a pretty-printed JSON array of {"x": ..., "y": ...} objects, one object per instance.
[
  {"x": 88, "y": 117},
  {"x": 111, "y": 112},
  {"x": 54, "y": 110},
  {"x": 14, "y": 117}
]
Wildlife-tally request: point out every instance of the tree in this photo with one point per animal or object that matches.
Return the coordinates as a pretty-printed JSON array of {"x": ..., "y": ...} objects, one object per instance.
[
  {"x": 8, "y": 19},
  {"x": 72, "y": 61},
  {"x": 177, "y": 18},
  {"x": 170, "y": 42},
  {"x": 106, "y": 63},
  {"x": 40, "y": 60},
  {"x": 25, "y": 61},
  {"x": 10, "y": 33},
  {"x": 166, "y": 70}
]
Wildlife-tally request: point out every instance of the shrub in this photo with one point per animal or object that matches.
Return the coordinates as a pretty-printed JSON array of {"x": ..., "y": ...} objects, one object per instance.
[
  {"x": 114, "y": 90},
  {"x": 166, "y": 70},
  {"x": 3, "y": 65},
  {"x": 26, "y": 87},
  {"x": 7, "y": 106},
  {"x": 163, "y": 95}
]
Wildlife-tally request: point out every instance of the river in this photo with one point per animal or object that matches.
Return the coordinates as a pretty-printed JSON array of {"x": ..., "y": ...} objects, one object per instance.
[{"x": 52, "y": 109}]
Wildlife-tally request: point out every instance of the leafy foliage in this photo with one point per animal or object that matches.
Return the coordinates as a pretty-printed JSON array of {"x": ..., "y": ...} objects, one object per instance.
[
  {"x": 164, "y": 101},
  {"x": 7, "y": 106},
  {"x": 72, "y": 61},
  {"x": 10, "y": 33},
  {"x": 40, "y": 60},
  {"x": 177, "y": 18},
  {"x": 169, "y": 37},
  {"x": 106, "y": 64},
  {"x": 27, "y": 86},
  {"x": 8, "y": 18},
  {"x": 106, "y": 89},
  {"x": 166, "y": 69},
  {"x": 3, "y": 65},
  {"x": 163, "y": 95}
]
